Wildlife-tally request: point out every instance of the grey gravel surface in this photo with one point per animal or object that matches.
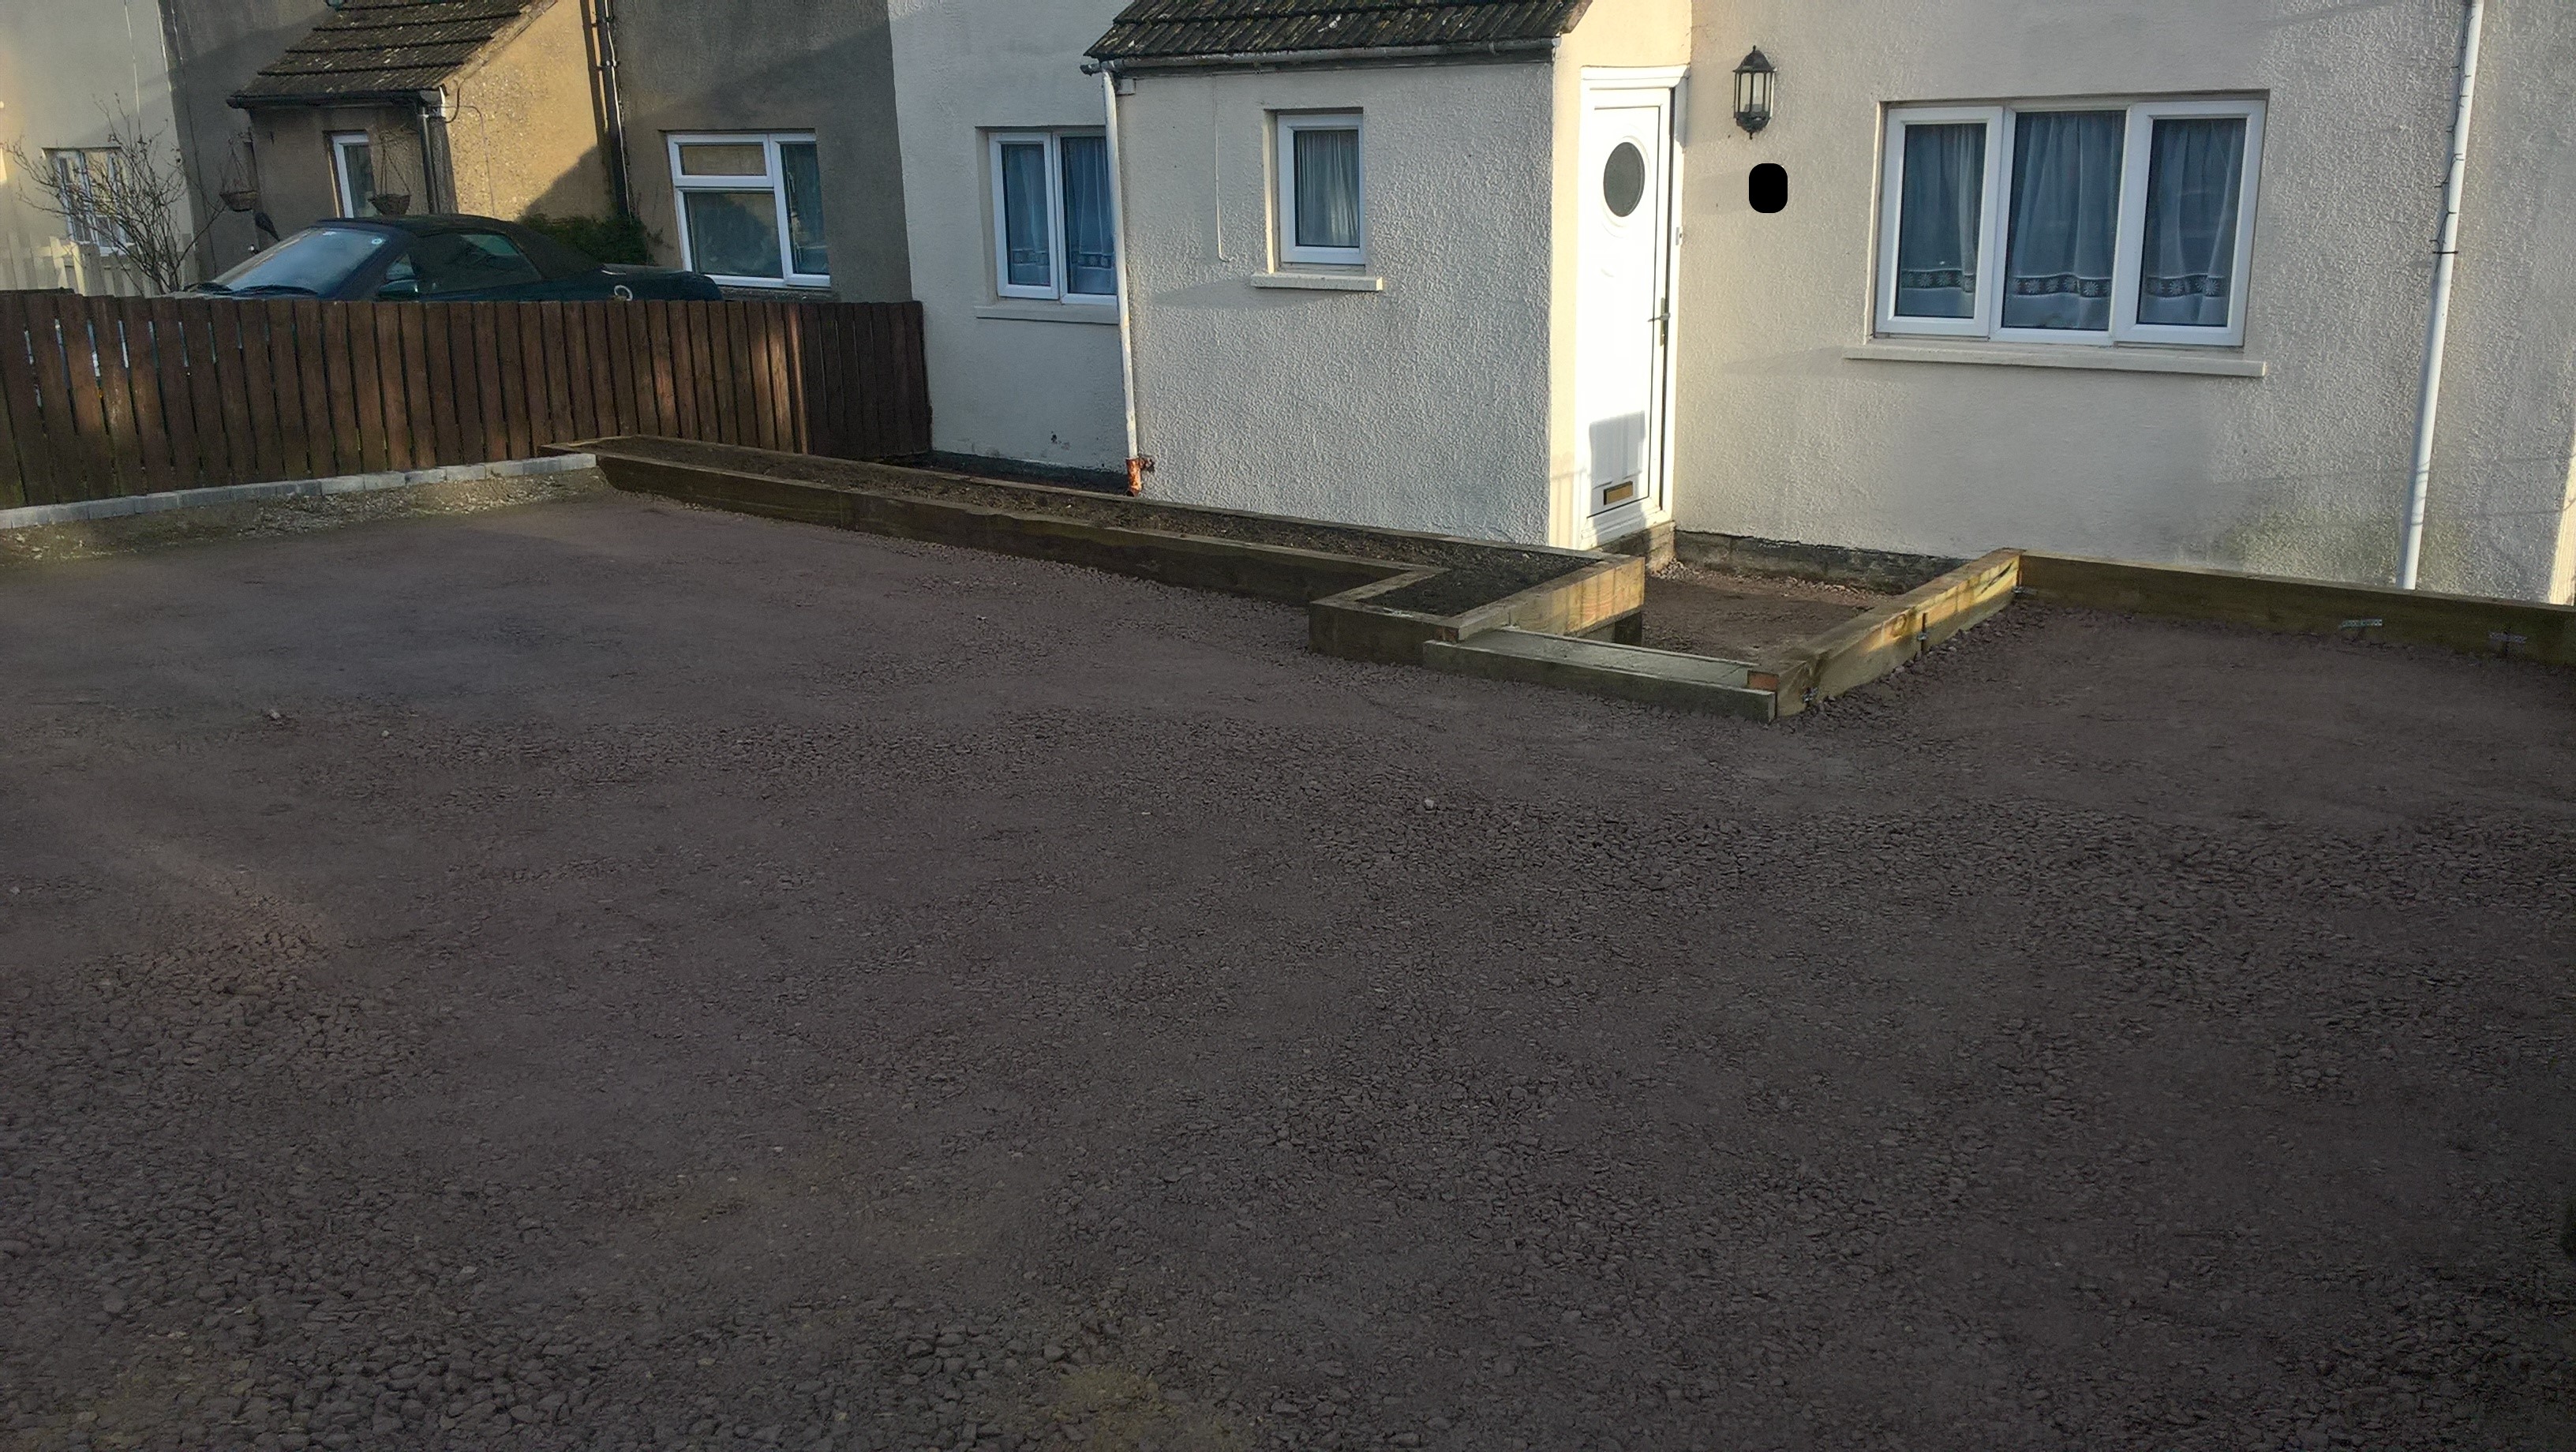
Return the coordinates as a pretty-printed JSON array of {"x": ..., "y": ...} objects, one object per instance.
[{"x": 607, "y": 975}]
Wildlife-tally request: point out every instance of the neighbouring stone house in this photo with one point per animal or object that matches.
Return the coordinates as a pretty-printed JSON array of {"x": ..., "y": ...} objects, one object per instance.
[
  {"x": 760, "y": 143},
  {"x": 480, "y": 106}
]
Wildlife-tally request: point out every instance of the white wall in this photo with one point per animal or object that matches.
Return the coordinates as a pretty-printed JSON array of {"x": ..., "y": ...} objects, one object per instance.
[
  {"x": 64, "y": 70},
  {"x": 1622, "y": 34},
  {"x": 1003, "y": 386},
  {"x": 1424, "y": 406},
  {"x": 2301, "y": 472}
]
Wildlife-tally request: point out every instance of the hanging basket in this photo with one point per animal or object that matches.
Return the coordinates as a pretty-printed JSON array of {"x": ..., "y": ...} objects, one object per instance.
[{"x": 390, "y": 204}]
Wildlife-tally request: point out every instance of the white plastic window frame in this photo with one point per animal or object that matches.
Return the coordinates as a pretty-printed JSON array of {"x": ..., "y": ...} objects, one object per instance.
[
  {"x": 1995, "y": 236},
  {"x": 77, "y": 167},
  {"x": 2135, "y": 161},
  {"x": 774, "y": 181},
  {"x": 1891, "y": 209},
  {"x": 1287, "y": 124},
  {"x": 1057, "y": 288},
  {"x": 351, "y": 204}
]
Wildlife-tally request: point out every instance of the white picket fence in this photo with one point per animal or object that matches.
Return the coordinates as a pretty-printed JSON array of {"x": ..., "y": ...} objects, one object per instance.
[{"x": 60, "y": 262}]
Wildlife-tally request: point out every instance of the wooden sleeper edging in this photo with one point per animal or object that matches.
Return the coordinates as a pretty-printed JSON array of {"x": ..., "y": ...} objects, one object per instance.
[
  {"x": 2476, "y": 624},
  {"x": 1596, "y": 592}
]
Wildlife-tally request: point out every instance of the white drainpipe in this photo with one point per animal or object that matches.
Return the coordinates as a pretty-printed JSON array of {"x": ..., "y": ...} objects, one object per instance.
[
  {"x": 1137, "y": 464},
  {"x": 2446, "y": 250}
]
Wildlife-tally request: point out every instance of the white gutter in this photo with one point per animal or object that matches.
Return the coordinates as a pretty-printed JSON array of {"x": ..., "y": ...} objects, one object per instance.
[
  {"x": 2446, "y": 250},
  {"x": 1137, "y": 464}
]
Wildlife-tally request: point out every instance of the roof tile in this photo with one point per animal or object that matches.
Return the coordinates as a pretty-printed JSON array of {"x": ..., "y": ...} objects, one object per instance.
[
  {"x": 380, "y": 47},
  {"x": 1180, "y": 29}
]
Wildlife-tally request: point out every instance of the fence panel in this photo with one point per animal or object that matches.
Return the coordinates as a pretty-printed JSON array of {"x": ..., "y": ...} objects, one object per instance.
[
  {"x": 269, "y": 386},
  {"x": 110, "y": 396},
  {"x": 447, "y": 389},
  {"x": 425, "y": 419},
  {"x": 716, "y": 419},
  {"x": 216, "y": 391},
  {"x": 143, "y": 383},
  {"x": 170, "y": 393},
  {"x": 25, "y": 466},
  {"x": 70, "y": 357},
  {"x": 320, "y": 340},
  {"x": 657, "y": 398}
]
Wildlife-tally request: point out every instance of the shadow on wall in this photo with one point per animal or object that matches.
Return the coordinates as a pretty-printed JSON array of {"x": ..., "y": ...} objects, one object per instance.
[
  {"x": 579, "y": 190},
  {"x": 835, "y": 86},
  {"x": 1618, "y": 450},
  {"x": 215, "y": 50}
]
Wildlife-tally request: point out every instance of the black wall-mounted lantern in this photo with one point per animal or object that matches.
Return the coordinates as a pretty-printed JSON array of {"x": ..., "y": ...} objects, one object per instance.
[{"x": 1753, "y": 82}]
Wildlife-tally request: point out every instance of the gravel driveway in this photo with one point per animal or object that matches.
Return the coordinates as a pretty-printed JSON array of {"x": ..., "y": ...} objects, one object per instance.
[{"x": 606, "y": 975}]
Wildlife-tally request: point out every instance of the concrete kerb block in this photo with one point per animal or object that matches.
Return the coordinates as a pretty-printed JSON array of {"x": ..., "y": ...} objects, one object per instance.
[{"x": 124, "y": 506}]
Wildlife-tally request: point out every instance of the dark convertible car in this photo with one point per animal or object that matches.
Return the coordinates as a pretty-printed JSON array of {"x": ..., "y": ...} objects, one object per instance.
[{"x": 443, "y": 259}]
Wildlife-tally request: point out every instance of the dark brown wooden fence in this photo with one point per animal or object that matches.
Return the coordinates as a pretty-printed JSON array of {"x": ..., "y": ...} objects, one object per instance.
[{"x": 102, "y": 397}]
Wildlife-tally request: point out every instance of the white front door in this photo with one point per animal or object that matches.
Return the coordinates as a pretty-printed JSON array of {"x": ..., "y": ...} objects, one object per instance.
[{"x": 1623, "y": 307}]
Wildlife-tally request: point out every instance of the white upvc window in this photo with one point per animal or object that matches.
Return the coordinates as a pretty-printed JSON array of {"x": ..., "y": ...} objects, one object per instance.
[
  {"x": 83, "y": 176},
  {"x": 1322, "y": 202},
  {"x": 750, "y": 205},
  {"x": 353, "y": 172},
  {"x": 2070, "y": 222},
  {"x": 1055, "y": 216}
]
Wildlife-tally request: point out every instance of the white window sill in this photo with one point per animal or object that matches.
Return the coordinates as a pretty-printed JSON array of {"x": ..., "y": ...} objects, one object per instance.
[
  {"x": 2112, "y": 359},
  {"x": 1050, "y": 312},
  {"x": 1318, "y": 281},
  {"x": 772, "y": 284}
]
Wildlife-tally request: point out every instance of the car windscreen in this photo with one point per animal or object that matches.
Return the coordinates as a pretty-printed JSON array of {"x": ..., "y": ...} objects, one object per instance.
[{"x": 314, "y": 261}]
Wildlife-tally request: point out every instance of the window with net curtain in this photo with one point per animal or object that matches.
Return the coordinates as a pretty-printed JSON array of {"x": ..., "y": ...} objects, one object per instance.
[
  {"x": 83, "y": 177},
  {"x": 751, "y": 208},
  {"x": 1321, "y": 212},
  {"x": 1054, "y": 216},
  {"x": 2092, "y": 224}
]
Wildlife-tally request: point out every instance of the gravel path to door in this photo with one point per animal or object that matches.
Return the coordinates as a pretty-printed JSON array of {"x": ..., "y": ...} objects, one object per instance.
[{"x": 605, "y": 975}]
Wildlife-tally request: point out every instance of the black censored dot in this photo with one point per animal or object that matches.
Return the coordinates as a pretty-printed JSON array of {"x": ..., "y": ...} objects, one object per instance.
[{"x": 1768, "y": 187}]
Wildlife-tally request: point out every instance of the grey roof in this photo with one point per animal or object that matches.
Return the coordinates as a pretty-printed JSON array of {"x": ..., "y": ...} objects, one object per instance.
[
  {"x": 1176, "y": 30},
  {"x": 386, "y": 47}
]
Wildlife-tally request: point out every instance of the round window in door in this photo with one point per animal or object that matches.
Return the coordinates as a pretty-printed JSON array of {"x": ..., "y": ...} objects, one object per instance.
[{"x": 1623, "y": 178}]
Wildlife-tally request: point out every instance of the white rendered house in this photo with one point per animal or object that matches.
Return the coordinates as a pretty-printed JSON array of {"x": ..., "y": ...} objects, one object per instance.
[
  {"x": 992, "y": 104},
  {"x": 2128, "y": 279},
  {"x": 1426, "y": 282}
]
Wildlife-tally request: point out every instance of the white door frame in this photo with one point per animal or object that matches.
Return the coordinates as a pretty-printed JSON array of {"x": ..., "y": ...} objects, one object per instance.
[{"x": 1599, "y": 84}]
